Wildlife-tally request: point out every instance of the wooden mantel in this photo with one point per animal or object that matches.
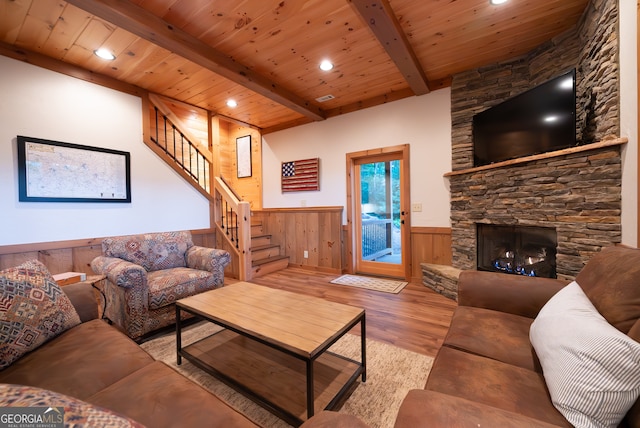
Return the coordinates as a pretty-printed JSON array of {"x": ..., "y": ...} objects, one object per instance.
[{"x": 613, "y": 141}]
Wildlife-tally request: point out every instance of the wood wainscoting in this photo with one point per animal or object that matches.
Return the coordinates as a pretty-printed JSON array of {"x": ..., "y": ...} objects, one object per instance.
[
  {"x": 317, "y": 230},
  {"x": 429, "y": 245},
  {"x": 74, "y": 255}
]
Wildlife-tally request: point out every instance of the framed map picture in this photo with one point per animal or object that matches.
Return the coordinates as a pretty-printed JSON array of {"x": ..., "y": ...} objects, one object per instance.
[
  {"x": 53, "y": 171},
  {"x": 243, "y": 153}
]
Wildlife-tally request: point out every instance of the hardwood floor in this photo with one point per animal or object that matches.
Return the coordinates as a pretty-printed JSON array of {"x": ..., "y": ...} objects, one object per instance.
[{"x": 416, "y": 319}]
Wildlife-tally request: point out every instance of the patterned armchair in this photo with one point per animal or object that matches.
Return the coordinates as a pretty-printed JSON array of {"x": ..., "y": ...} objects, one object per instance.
[{"x": 147, "y": 273}]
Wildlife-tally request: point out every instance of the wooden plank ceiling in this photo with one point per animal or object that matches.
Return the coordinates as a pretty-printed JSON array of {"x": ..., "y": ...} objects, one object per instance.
[{"x": 265, "y": 54}]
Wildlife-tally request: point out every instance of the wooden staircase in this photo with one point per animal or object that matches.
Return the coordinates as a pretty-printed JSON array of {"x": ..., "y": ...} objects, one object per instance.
[
  {"x": 253, "y": 253},
  {"x": 266, "y": 256}
]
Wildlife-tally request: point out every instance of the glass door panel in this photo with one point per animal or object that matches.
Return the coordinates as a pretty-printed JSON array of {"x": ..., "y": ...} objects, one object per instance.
[{"x": 379, "y": 216}]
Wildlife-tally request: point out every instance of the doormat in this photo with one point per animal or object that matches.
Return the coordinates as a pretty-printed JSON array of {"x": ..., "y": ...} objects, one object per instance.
[{"x": 375, "y": 284}]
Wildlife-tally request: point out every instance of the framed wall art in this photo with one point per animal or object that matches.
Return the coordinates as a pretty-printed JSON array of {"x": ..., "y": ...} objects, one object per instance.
[
  {"x": 300, "y": 175},
  {"x": 243, "y": 153},
  {"x": 53, "y": 171}
]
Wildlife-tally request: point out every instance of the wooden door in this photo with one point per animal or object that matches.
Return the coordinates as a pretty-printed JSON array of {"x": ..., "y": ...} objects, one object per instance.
[{"x": 378, "y": 211}]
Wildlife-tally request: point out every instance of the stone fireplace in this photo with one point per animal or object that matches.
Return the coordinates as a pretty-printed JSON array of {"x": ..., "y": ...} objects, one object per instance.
[
  {"x": 576, "y": 194},
  {"x": 577, "y": 191}
]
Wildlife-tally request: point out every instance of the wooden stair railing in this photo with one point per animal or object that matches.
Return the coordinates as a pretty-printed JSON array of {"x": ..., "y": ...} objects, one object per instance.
[
  {"x": 233, "y": 222},
  {"x": 196, "y": 163}
]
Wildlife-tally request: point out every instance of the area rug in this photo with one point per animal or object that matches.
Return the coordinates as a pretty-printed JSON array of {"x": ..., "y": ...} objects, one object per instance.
[
  {"x": 391, "y": 373},
  {"x": 371, "y": 283}
]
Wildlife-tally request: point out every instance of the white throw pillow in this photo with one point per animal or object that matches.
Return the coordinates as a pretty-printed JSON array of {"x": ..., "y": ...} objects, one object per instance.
[{"x": 592, "y": 369}]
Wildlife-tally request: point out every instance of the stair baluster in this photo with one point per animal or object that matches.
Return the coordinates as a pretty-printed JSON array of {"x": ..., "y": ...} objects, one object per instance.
[
  {"x": 226, "y": 210},
  {"x": 236, "y": 229},
  {"x": 162, "y": 139}
]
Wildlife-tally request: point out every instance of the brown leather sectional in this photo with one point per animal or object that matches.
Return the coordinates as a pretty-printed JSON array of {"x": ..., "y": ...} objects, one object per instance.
[
  {"x": 487, "y": 373},
  {"x": 96, "y": 363}
]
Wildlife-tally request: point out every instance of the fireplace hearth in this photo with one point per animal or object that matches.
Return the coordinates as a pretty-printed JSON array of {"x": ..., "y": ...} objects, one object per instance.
[{"x": 518, "y": 250}]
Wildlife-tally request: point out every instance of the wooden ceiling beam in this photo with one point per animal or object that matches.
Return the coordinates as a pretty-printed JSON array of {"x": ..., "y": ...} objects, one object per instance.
[
  {"x": 144, "y": 24},
  {"x": 35, "y": 58},
  {"x": 381, "y": 19}
]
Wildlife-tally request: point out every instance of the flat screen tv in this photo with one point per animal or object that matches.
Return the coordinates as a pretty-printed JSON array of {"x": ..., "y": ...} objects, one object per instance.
[{"x": 543, "y": 119}]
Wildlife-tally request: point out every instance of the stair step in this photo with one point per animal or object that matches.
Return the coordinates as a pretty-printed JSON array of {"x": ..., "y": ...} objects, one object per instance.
[
  {"x": 264, "y": 251},
  {"x": 260, "y": 240},
  {"x": 267, "y": 260},
  {"x": 269, "y": 265},
  {"x": 262, "y": 247}
]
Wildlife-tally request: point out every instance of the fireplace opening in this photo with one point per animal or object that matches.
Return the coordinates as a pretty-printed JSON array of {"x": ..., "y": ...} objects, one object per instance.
[{"x": 519, "y": 250}]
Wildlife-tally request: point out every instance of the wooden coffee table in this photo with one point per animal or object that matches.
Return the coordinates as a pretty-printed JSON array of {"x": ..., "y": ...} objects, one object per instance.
[{"x": 273, "y": 347}]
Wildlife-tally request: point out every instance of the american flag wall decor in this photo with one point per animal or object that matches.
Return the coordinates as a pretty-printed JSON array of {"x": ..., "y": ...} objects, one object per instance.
[{"x": 300, "y": 175}]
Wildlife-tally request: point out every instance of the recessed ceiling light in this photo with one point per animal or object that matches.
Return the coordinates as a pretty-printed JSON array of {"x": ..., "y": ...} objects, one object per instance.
[
  {"x": 232, "y": 103},
  {"x": 498, "y": 1},
  {"x": 326, "y": 65},
  {"x": 104, "y": 54}
]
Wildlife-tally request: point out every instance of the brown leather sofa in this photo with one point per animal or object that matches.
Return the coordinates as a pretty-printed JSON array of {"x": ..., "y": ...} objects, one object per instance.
[
  {"x": 96, "y": 363},
  {"x": 487, "y": 374}
]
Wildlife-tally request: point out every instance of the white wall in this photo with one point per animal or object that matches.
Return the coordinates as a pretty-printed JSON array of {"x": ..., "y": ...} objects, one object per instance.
[
  {"x": 629, "y": 120},
  {"x": 42, "y": 104},
  {"x": 423, "y": 122}
]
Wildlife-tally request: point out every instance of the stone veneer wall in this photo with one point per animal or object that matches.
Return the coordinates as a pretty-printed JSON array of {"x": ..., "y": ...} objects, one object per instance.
[{"x": 578, "y": 194}]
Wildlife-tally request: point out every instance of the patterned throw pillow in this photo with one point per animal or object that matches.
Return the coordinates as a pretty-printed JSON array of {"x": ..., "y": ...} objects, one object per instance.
[
  {"x": 592, "y": 369},
  {"x": 33, "y": 310},
  {"x": 74, "y": 412}
]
